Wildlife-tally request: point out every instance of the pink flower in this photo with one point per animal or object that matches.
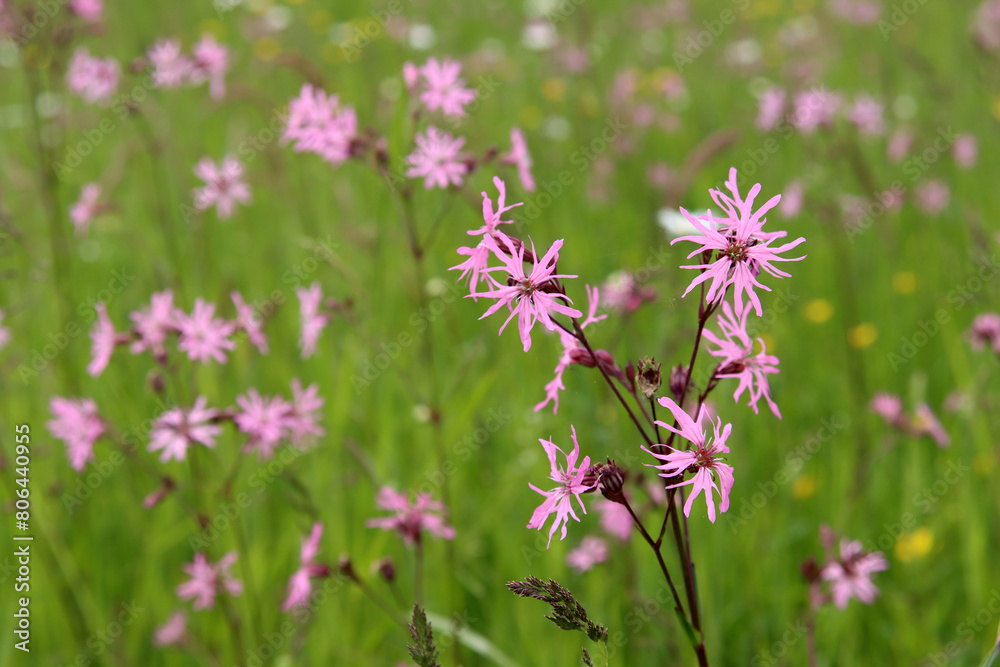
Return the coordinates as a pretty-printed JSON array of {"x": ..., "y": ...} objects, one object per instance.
[
  {"x": 103, "y": 341},
  {"x": 889, "y": 407},
  {"x": 207, "y": 581},
  {"x": 93, "y": 79},
  {"x": 615, "y": 519},
  {"x": 925, "y": 422},
  {"x": 770, "y": 108},
  {"x": 526, "y": 295},
  {"x": 170, "y": 66},
  {"x": 744, "y": 249},
  {"x": 4, "y": 332},
  {"x": 88, "y": 10},
  {"x": 411, "y": 519},
  {"x": 302, "y": 420},
  {"x": 569, "y": 483},
  {"x": 933, "y": 196},
  {"x": 479, "y": 257},
  {"x": 317, "y": 123},
  {"x": 437, "y": 159},
  {"x": 210, "y": 63},
  {"x": 738, "y": 360},
  {"x": 263, "y": 420},
  {"x": 899, "y": 145},
  {"x": 78, "y": 425},
  {"x": 704, "y": 460},
  {"x": 623, "y": 294},
  {"x": 224, "y": 186},
  {"x": 858, "y": 12},
  {"x": 791, "y": 200},
  {"x": 154, "y": 323},
  {"x": 203, "y": 336},
  {"x": 177, "y": 428},
  {"x": 815, "y": 108},
  {"x": 985, "y": 331},
  {"x": 965, "y": 151},
  {"x": 573, "y": 352},
  {"x": 850, "y": 577},
  {"x": 313, "y": 321},
  {"x": 84, "y": 210},
  {"x": 866, "y": 114},
  {"x": 411, "y": 76},
  {"x": 444, "y": 87},
  {"x": 248, "y": 320},
  {"x": 986, "y": 25},
  {"x": 519, "y": 158},
  {"x": 592, "y": 550},
  {"x": 171, "y": 632},
  {"x": 300, "y": 584}
]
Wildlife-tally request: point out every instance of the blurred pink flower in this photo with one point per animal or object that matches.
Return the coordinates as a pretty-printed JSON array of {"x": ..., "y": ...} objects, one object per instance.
[
  {"x": 592, "y": 550},
  {"x": 248, "y": 320},
  {"x": 76, "y": 423},
  {"x": 889, "y": 407},
  {"x": 744, "y": 249},
  {"x": 224, "y": 186},
  {"x": 986, "y": 25},
  {"x": 770, "y": 108},
  {"x": 866, "y": 114},
  {"x": 444, "y": 87},
  {"x": 302, "y": 420},
  {"x": 93, "y": 79},
  {"x": 170, "y": 66},
  {"x": 705, "y": 458},
  {"x": 207, "y": 581},
  {"x": 103, "y": 340},
  {"x": 985, "y": 331},
  {"x": 569, "y": 483},
  {"x": 437, "y": 158},
  {"x": 899, "y": 145},
  {"x": 850, "y": 576},
  {"x": 933, "y": 196},
  {"x": 815, "y": 108},
  {"x": 203, "y": 336},
  {"x": 317, "y": 123},
  {"x": 4, "y": 332},
  {"x": 313, "y": 321},
  {"x": 739, "y": 361},
  {"x": 263, "y": 420},
  {"x": 615, "y": 518},
  {"x": 623, "y": 294},
  {"x": 84, "y": 210},
  {"x": 965, "y": 150},
  {"x": 791, "y": 200},
  {"x": 411, "y": 519},
  {"x": 479, "y": 256},
  {"x": 88, "y": 10},
  {"x": 300, "y": 583},
  {"x": 177, "y": 428},
  {"x": 152, "y": 324},
  {"x": 925, "y": 422},
  {"x": 411, "y": 76},
  {"x": 171, "y": 632},
  {"x": 526, "y": 295},
  {"x": 210, "y": 63},
  {"x": 518, "y": 157},
  {"x": 858, "y": 12}
]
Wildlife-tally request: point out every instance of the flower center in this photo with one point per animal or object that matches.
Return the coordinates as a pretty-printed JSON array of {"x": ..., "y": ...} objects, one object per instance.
[{"x": 737, "y": 249}]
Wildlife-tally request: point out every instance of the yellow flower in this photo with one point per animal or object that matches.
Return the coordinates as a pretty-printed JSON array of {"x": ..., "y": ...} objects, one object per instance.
[
  {"x": 819, "y": 311},
  {"x": 914, "y": 545},
  {"x": 803, "y": 487},
  {"x": 553, "y": 89},
  {"x": 904, "y": 282},
  {"x": 862, "y": 335}
]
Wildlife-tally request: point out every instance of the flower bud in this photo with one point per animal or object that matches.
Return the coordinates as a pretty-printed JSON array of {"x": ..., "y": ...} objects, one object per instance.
[
  {"x": 678, "y": 378},
  {"x": 612, "y": 481},
  {"x": 647, "y": 377},
  {"x": 810, "y": 570},
  {"x": 385, "y": 568}
]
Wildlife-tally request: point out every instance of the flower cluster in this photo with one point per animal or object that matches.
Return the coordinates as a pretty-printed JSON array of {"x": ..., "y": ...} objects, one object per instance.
[
  {"x": 922, "y": 422},
  {"x": 93, "y": 79},
  {"x": 208, "y": 62},
  {"x": 411, "y": 519},
  {"x": 318, "y": 123}
]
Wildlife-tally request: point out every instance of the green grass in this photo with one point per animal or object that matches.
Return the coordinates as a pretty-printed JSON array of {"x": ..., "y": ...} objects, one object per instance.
[{"x": 109, "y": 551}]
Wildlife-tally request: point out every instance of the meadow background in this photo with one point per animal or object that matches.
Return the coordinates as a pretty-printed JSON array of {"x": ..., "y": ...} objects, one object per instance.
[{"x": 858, "y": 299}]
